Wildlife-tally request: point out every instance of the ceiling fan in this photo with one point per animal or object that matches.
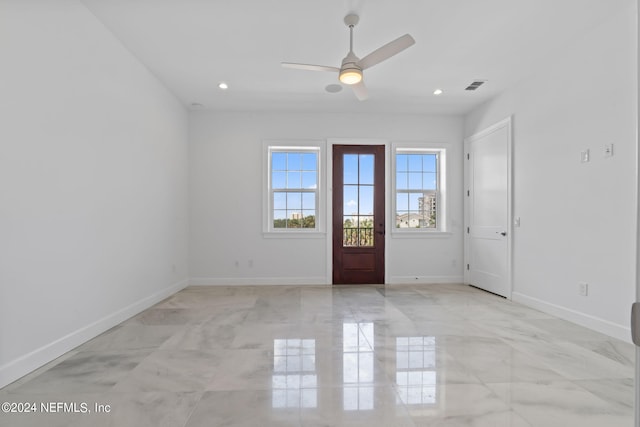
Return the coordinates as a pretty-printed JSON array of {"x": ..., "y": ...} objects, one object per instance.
[{"x": 350, "y": 72}]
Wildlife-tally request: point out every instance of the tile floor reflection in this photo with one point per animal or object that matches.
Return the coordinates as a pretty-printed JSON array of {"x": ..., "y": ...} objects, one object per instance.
[{"x": 436, "y": 355}]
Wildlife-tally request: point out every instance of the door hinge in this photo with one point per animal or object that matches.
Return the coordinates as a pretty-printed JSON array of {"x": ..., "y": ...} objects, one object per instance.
[
  {"x": 468, "y": 156},
  {"x": 467, "y": 266},
  {"x": 468, "y": 193},
  {"x": 467, "y": 230}
]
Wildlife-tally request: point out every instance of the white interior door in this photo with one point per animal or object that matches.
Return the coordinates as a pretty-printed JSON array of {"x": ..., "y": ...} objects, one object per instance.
[{"x": 488, "y": 242}]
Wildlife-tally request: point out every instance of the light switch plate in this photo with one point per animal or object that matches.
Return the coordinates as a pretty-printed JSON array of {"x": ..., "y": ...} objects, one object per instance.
[
  {"x": 608, "y": 150},
  {"x": 584, "y": 156}
]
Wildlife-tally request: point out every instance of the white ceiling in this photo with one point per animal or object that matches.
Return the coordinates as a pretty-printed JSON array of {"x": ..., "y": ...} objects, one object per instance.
[{"x": 192, "y": 45}]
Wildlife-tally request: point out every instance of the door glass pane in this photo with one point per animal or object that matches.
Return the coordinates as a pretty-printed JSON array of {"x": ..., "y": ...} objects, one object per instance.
[
  {"x": 366, "y": 200},
  {"x": 365, "y": 226},
  {"x": 350, "y": 200},
  {"x": 350, "y": 169},
  {"x": 358, "y": 191},
  {"x": 366, "y": 169},
  {"x": 350, "y": 231}
]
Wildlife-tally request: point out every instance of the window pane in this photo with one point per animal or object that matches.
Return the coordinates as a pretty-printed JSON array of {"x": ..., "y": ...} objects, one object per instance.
[
  {"x": 350, "y": 167},
  {"x": 279, "y": 219},
  {"x": 279, "y": 200},
  {"x": 402, "y": 202},
  {"x": 415, "y": 163},
  {"x": 294, "y": 201},
  {"x": 429, "y": 181},
  {"x": 309, "y": 219},
  {"x": 278, "y": 161},
  {"x": 294, "y": 220},
  {"x": 279, "y": 180},
  {"x": 366, "y": 200},
  {"x": 402, "y": 181},
  {"x": 294, "y": 161},
  {"x": 366, "y": 169},
  {"x": 402, "y": 219},
  {"x": 350, "y": 199},
  {"x": 309, "y": 161},
  {"x": 293, "y": 180},
  {"x": 414, "y": 201},
  {"x": 401, "y": 162},
  {"x": 309, "y": 180},
  {"x": 429, "y": 162},
  {"x": 415, "y": 181},
  {"x": 309, "y": 201}
]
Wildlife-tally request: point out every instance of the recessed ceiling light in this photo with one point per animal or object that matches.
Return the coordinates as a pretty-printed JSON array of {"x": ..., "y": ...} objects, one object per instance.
[
  {"x": 437, "y": 92},
  {"x": 223, "y": 86},
  {"x": 333, "y": 88},
  {"x": 196, "y": 105}
]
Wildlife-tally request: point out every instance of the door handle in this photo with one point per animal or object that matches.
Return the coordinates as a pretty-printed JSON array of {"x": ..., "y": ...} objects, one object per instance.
[{"x": 504, "y": 233}]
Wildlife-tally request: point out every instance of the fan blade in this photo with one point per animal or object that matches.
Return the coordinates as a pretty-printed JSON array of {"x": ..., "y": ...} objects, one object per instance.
[
  {"x": 309, "y": 67},
  {"x": 386, "y": 51},
  {"x": 360, "y": 90}
]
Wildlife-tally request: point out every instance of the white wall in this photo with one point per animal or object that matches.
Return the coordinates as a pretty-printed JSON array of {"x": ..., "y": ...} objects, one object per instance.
[
  {"x": 93, "y": 183},
  {"x": 226, "y": 167},
  {"x": 578, "y": 219}
]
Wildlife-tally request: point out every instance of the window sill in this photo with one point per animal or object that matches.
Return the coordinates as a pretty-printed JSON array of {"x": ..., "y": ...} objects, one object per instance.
[
  {"x": 421, "y": 234},
  {"x": 293, "y": 235}
]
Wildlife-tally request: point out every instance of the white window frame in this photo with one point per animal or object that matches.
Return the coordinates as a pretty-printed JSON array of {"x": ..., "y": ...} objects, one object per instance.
[
  {"x": 440, "y": 149},
  {"x": 271, "y": 146}
]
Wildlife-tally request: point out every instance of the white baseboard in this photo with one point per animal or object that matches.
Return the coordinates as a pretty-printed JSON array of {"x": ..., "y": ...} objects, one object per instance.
[
  {"x": 425, "y": 280},
  {"x": 21, "y": 366},
  {"x": 251, "y": 281},
  {"x": 597, "y": 324}
]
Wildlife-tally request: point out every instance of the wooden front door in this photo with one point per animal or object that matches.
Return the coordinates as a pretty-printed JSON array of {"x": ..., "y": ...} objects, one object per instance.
[{"x": 358, "y": 214}]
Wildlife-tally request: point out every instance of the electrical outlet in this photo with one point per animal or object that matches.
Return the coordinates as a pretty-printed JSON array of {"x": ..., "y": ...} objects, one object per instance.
[{"x": 583, "y": 289}]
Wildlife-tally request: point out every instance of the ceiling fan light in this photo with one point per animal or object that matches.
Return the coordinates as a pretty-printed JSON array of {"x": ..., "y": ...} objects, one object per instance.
[{"x": 350, "y": 76}]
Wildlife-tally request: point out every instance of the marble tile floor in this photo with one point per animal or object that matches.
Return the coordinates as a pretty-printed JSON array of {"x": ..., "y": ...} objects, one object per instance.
[{"x": 427, "y": 355}]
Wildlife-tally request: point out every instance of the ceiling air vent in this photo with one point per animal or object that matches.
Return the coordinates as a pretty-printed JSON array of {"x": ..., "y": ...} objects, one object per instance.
[{"x": 475, "y": 85}]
